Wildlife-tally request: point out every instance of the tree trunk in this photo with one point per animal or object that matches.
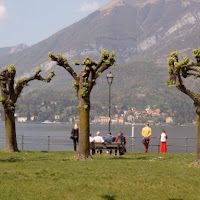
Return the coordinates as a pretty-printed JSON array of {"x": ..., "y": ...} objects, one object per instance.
[
  {"x": 11, "y": 141},
  {"x": 197, "y": 161},
  {"x": 84, "y": 130},
  {"x": 84, "y": 121}
]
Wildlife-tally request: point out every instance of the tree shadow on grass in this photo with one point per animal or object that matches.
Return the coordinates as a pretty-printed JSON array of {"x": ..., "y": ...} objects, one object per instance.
[
  {"x": 128, "y": 158},
  {"x": 12, "y": 159},
  {"x": 143, "y": 158},
  {"x": 108, "y": 197},
  {"x": 42, "y": 158},
  {"x": 121, "y": 158},
  {"x": 175, "y": 199}
]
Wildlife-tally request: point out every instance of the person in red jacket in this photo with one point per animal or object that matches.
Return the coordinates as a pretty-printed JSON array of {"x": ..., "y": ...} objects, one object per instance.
[
  {"x": 163, "y": 139},
  {"x": 121, "y": 138}
]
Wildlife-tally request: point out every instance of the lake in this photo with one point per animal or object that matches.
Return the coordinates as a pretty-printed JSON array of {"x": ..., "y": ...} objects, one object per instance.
[{"x": 55, "y": 137}]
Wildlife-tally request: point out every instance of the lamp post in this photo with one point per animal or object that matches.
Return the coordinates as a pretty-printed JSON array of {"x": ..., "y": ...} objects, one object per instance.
[{"x": 109, "y": 80}]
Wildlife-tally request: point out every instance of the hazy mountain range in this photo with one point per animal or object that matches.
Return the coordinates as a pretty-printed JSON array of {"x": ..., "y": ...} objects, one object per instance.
[
  {"x": 145, "y": 31},
  {"x": 128, "y": 27},
  {"x": 6, "y": 51}
]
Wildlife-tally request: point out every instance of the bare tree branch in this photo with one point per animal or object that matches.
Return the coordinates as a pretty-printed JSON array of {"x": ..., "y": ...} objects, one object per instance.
[
  {"x": 22, "y": 83},
  {"x": 61, "y": 61}
]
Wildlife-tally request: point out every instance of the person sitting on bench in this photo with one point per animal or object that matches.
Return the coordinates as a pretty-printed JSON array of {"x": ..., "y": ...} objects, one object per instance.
[
  {"x": 98, "y": 138},
  {"x": 109, "y": 138},
  {"x": 122, "y": 139}
]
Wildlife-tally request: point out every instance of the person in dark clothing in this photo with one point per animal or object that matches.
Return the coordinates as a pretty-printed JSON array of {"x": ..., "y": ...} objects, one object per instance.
[
  {"x": 109, "y": 138},
  {"x": 74, "y": 135}
]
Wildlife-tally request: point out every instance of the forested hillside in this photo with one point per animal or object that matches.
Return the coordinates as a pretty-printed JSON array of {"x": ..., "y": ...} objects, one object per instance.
[{"x": 136, "y": 85}]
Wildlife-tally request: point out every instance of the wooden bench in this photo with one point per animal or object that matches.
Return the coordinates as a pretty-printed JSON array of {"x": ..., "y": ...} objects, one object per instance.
[{"x": 106, "y": 145}]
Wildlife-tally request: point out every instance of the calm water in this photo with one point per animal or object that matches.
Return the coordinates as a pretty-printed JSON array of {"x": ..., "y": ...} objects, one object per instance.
[{"x": 38, "y": 136}]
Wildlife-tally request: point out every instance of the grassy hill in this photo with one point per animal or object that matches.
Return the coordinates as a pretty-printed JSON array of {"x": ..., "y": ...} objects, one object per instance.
[{"x": 138, "y": 176}]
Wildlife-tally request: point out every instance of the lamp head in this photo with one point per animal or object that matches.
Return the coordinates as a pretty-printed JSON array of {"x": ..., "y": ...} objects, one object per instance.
[{"x": 109, "y": 78}]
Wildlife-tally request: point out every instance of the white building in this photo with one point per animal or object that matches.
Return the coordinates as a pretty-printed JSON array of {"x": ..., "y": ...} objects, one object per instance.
[
  {"x": 22, "y": 119},
  {"x": 57, "y": 117}
]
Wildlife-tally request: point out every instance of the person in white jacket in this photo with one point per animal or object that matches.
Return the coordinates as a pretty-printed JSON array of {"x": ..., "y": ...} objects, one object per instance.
[
  {"x": 98, "y": 138},
  {"x": 163, "y": 144},
  {"x": 91, "y": 140}
]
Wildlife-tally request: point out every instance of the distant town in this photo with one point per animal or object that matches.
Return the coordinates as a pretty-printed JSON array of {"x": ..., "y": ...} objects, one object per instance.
[{"x": 120, "y": 116}]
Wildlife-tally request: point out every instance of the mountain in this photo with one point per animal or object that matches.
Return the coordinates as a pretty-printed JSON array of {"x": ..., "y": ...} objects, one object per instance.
[
  {"x": 131, "y": 28},
  {"x": 145, "y": 31},
  {"x": 10, "y": 50}
]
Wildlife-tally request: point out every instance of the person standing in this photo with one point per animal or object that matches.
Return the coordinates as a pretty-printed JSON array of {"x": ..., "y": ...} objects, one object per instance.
[
  {"x": 163, "y": 139},
  {"x": 75, "y": 135},
  {"x": 146, "y": 133}
]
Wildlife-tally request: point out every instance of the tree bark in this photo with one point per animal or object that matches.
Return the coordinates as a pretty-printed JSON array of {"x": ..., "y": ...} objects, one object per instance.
[
  {"x": 84, "y": 130},
  {"x": 197, "y": 161},
  {"x": 11, "y": 141},
  {"x": 84, "y": 122}
]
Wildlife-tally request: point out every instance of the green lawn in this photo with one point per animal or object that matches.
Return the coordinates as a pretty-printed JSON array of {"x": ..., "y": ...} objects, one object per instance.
[{"x": 54, "y": 175}]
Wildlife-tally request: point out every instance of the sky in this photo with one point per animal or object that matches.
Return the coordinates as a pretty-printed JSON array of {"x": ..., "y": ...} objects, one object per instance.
[{"x": 31, "y": 21}]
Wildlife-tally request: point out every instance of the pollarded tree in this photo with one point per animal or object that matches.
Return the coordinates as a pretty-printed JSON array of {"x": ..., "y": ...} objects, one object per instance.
[
  {"x": 83, "y": 83},
  {"x": 184, "y": 69},
  {"x": 10, "y": 92}
]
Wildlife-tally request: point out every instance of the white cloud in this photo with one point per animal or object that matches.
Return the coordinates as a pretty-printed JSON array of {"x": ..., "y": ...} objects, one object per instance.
[
  {"x": 3, "y": 13},
  {"x": 89, "y": 7}
]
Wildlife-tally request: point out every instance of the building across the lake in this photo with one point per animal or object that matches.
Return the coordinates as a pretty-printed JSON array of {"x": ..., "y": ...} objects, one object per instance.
[{"x": 21, "y": 119}]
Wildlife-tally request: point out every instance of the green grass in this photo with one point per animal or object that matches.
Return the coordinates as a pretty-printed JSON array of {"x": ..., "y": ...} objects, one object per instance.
[{"x": 32, "y": 175}]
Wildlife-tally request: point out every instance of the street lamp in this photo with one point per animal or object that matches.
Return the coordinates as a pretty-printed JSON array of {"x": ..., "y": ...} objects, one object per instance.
[{"x": 109, "y": 80}]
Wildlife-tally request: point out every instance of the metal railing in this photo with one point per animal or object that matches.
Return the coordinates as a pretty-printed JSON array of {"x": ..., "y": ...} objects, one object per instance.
[
  {"x": 134, "y": 144},
  {"x": 174, "y": 144}
]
